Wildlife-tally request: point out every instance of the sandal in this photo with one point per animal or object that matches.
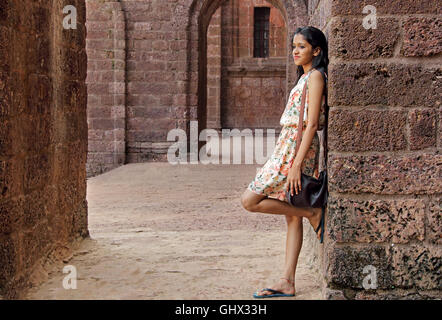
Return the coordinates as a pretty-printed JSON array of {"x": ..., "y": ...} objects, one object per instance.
[{"x": 274, "y": 293}]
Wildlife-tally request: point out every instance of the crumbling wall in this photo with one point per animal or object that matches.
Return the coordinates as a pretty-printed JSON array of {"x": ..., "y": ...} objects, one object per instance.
[
  {"x": 43, "y": 138},
  {"x": 384, "y": 219}
]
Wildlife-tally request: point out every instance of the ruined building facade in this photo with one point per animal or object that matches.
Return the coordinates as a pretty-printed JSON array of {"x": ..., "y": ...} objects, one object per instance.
[{"x": 156, "y": 65}]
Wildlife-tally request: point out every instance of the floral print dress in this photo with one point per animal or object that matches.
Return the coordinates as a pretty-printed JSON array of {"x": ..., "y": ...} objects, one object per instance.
[{"x": 271, "y": 178}]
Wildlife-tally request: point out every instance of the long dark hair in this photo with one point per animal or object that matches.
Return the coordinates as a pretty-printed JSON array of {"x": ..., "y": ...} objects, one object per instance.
[{"x": 316, "y": 38}]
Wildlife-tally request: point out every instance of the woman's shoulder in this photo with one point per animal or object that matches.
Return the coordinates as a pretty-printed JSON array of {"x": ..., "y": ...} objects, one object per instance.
[
  {"x": 316, "y": 77},
  {"x": 316, "y": 74}
]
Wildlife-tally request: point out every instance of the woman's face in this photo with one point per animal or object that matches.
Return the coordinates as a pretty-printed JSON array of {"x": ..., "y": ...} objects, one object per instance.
[{"x": 302, "y": 50}]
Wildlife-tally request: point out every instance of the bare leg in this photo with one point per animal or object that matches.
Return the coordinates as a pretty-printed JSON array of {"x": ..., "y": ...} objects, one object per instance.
[
  {"x": 260, "y": 203},
  {"x": 293, "y": 247}
]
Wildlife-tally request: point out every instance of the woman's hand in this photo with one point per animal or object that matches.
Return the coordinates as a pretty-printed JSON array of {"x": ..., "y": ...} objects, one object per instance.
[{"x": 294, "y": 179}]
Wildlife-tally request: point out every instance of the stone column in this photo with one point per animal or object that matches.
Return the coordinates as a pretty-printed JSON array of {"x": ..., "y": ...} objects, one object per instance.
[
  {"x": 106, "y": 80},
  {"x": 384, "y": 151}
]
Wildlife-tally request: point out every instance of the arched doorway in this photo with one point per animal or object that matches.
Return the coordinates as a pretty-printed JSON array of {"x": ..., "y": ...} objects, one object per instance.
[{"x": 201, "y": 12}]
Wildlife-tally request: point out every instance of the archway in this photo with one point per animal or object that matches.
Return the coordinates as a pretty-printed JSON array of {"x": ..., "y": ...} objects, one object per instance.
[{"x": 295, "y": 14}]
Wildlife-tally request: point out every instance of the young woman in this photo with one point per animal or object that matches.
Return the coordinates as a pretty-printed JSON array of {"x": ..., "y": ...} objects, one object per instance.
[{"x": 282, "y": 171}]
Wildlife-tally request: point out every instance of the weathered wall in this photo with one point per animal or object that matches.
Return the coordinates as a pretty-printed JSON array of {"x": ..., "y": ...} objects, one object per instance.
[
  {"x": 43, "y": 138},
  {"x": 106, "y": 110},
  {"x": 164, "y": 73},
  {"x": 384, "y": 159},
  {"x": 214, "y": 71},
  {"x": 157, "y": 74},
  {"x": 384, "y": 133},
  {"x": 313, "y": 251},
  {"x": 166, "y": 77},
  {"x": 239, "y": 26},
  {"x": 253, "y": 89}
]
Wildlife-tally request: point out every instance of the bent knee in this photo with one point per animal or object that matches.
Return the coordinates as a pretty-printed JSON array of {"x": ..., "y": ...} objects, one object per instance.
[
  {"x": 248, "y": 203},
  {"x": 292, "y": 219}
]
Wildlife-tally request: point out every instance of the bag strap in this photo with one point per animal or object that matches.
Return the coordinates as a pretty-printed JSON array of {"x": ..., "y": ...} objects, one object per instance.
[{"x": 301, "y": 123}]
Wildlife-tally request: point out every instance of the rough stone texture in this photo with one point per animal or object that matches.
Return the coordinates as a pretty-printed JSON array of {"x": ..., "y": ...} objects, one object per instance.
[
  {"x": 400, "y": 271},
  {"x": 253, "y": 102},
  {"x": 382, "y": 174},
  {"x": 367, "y": 130},
  {"x": 422, "y": 37},
  {"x": 397, "y": 7},
  {"x": 106, "y": 76},
  {"x": 9, "y": 261},
  {"x": 372, "y": 221},
  {"x": 43, "y": 138},
  {"x": 439, "y": 127},
  {"x": 157, "y": 72},
  {"x": 319, "y": 15},
  {"x": 416, "y": 266},
  {"x": 330, "y": 294},
  {"x": 398, "y": 294},
  {"x": 365, "y": 43},
  {"x": 422, "y": 129},
  {"x": 346, "y": 265},
  {"x": 434, "y": 231},
  {"x": 385, "y": 84},
  {"x": 384, "y": 159}
]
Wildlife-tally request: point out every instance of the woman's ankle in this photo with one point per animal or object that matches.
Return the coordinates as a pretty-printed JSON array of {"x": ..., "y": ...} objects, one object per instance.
[{"x": 290, "y": 280}]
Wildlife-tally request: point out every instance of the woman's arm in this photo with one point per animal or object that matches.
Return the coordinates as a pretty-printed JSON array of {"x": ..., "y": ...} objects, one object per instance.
[{"x": 316, "y": 87}]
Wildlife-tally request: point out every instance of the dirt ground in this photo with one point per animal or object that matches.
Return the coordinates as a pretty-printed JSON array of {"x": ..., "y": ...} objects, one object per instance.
[{"x": 163, "y": 231}]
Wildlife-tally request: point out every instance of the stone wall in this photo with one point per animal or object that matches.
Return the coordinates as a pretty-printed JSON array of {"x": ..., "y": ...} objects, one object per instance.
[
  {"x": 43, "y": 139},
  {"x": 166, "y": 73},
  {"x": 253, "y": 89},
  {"x": 214, "y": 71},
  {"x": 384, "y": 128},
  {"x": 157, "y": 74},
  {"x": 384, "y": 151},
  {"x": 312, "y": 250},
  {"x": 106, "y": 82}
]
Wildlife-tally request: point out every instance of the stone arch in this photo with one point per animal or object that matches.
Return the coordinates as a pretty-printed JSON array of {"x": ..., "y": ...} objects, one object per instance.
[{"x": 295, "y": 14}]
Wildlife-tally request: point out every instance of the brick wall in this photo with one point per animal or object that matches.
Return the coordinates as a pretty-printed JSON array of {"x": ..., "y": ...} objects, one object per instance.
[
  {"x": 106, "y": 111},
  {"x": 43, "y": 138},
  {"x": 243, "y": 28},
  {"x": 166, "y": 72},
  {"x": 214, "y": 71},
  {"x": 253, "y": 89},
  {"x": 157, "y": 74},
  {"x": 141, "y": 88},
  {"x": 384, "y": 157}
]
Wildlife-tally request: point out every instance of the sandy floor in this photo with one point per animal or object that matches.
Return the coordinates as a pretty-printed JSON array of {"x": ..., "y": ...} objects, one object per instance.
[{"x": 160, "y": 231}]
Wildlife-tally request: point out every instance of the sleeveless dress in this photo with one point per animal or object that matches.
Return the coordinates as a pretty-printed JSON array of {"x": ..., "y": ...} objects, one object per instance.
[{"x": 271, "y": 178}]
